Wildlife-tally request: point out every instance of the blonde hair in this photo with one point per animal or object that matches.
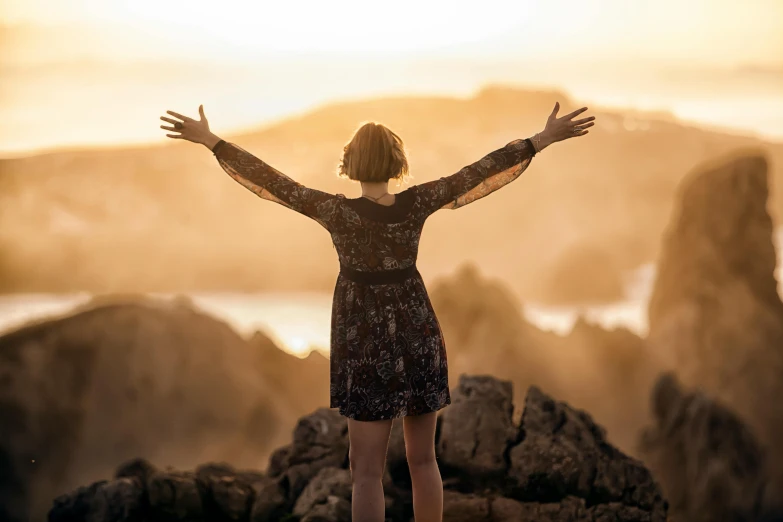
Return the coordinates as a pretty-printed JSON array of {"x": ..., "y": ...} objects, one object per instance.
[{"x": 374, "y": 154}]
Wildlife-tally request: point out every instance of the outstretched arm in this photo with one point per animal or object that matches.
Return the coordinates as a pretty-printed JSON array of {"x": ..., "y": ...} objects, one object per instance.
[
  {"x": 493, "y": 171},
  {"x": 500, "y": 167},
  {"x": 254, "y": 174}
]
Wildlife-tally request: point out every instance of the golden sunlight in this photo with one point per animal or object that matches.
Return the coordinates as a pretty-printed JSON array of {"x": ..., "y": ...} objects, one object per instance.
[{"x": 348, "y": 26}]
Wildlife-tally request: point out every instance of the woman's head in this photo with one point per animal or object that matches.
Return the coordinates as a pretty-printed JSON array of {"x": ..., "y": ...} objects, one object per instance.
[{"x": 375, "y": 155}]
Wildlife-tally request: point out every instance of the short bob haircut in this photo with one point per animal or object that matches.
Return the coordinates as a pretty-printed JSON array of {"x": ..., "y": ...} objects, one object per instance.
[{"x": 375, "y": 154}]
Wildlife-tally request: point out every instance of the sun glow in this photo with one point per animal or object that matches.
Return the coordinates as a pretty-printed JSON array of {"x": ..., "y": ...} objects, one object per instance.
[{"x": 335, "y": 27}]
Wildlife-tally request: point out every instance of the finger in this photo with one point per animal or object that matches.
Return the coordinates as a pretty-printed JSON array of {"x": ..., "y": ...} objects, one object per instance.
[
  {"x": 169, "y": 120},
  {"x": 166, "y": 127},
  {"x": 575, "y": 113},
  {"x": 581, "y": 133},
  {"x": 583, "y": 120},
  {"x": 201, "y": 112},
  {"x": 175, "y": 136},
  {"x": 554, "y": 111},
  {"x": 584, "y": 126},
  {"x": 178, "y": 115}
]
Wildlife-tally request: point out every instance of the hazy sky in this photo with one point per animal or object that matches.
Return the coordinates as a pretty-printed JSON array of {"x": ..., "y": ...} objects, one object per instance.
[
  {"x": 725, "y": 32},
  {"x": 253, "y": 61}
]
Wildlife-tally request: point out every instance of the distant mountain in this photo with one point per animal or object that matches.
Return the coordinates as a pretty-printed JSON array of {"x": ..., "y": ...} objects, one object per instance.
[{"x": 166, "y": 218}]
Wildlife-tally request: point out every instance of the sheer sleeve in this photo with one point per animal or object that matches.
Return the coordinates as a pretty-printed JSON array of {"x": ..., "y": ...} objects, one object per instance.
[
  {"x": 493, "y": 171},
  {"x": 268, "y": 183}
]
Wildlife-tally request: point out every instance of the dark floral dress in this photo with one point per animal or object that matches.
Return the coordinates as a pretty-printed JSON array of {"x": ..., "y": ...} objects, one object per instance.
[{"x": 388, "y": 357}]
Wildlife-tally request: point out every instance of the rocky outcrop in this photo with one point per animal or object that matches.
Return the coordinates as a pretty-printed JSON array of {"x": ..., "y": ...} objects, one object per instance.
[
  {"x": 715, "y": 314},
  {"x": 555, "y": 465},
  {"x": 123, "y": 379},
  {"x": 606, "y": 372},
  {"x": 710, "y": 464}
]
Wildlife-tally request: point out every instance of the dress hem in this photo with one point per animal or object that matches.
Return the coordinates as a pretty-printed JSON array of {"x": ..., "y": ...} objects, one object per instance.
[{"x": 397, "y": 415}]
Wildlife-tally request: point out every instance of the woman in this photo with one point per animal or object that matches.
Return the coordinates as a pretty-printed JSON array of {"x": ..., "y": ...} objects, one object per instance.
[{"x": 388, "y": 358}]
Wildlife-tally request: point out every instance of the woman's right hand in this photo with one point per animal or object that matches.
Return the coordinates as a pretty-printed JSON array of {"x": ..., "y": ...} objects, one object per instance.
[
  {"x": 559, "y": 129},
  {"x": 189, "y": 129}
]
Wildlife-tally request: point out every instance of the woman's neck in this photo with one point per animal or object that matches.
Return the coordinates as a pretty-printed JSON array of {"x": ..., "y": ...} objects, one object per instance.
[{"x": 375, "y": 190}]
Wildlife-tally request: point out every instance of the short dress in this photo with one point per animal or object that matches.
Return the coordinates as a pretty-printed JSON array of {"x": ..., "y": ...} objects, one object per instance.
[{"x": 387, "y": 353}]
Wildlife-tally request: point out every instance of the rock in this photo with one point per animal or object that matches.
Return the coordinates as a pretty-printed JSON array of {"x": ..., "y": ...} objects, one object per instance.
[
  {"x": 228, "y": 496},
  {"x": 460, "y": 507},
  {"x": 270, "y": 502},
  {"x": 335, "y": 509},
  {"x": 140, "y": 469},
  {"x": 561, "y": 469},
  {"x": 708, "y": 461},
  {"x": 320, "y": 440},
  {"x": 278, "y": 460},
  {"x": 568, "y": 509},
  {"x": 121, "y": 500},
  {"x": 563, "y": 453},
  {"x": 715, "y": 313},
  {"x": 175, "y": 496},
  {"x": 329, "y": 482},
  {"x": 477, "y": 429},
  {"x": 74, "y": 506}
]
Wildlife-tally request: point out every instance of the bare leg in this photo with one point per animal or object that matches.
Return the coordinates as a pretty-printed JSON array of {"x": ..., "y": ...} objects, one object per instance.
[
  {"x": 367, "y": 455},
  {"x": 425, "y": 476}
]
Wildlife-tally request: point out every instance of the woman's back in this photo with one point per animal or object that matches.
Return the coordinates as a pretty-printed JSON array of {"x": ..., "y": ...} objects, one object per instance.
[{"x": 370, "y": 236}]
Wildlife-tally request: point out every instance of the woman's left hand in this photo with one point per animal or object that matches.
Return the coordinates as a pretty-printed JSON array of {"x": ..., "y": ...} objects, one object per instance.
[
  {"x": 565, "y": 127},
  {"x": 189, "y": 129}
]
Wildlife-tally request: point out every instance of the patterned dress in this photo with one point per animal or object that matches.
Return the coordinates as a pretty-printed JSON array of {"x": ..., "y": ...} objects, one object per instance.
[{"x": 388, "y": 357}]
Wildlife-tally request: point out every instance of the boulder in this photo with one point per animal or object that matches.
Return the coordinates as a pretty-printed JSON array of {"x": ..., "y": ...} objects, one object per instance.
[
  {"x": 320, "y": 440},
  {"x": 563, "y": 453},
  {"x": 477, "y": 429}
]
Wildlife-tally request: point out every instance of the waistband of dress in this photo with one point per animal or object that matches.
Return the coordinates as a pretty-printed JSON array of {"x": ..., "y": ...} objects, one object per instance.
[{"x": 383, "y": 277}]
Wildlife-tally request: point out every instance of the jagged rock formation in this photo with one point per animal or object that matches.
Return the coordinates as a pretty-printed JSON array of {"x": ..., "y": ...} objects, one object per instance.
[
  {"x": 606, "y": 372},
  {"x": 715, "y": 314},
  {"x": 117, "y": 380},
  {"x": 555, "y": 465},
  {"x": 710, "y": 464}
]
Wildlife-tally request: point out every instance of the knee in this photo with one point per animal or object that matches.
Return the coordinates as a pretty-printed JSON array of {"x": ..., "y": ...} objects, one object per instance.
[
  {"x": 421, "y": 458},
  {"x": 365, "y": 467}
]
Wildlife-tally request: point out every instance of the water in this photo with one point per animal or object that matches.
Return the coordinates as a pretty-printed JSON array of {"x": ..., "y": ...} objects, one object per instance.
[{"x": 300, "y": 322}]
